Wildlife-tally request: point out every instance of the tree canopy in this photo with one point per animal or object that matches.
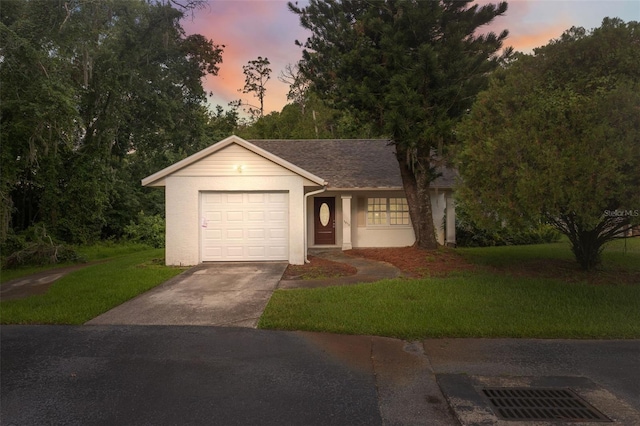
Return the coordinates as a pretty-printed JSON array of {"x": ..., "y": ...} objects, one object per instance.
[
  {"x": 410, "y": 68},
  {"x": 556, "y": 137},
  {"x": 95, "y": 95}
]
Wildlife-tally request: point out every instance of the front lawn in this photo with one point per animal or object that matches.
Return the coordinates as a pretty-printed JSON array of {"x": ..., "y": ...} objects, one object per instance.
[
  {"x": 92, "y": 253},
  {"x": 509, "y": 293},
  {"x": 86, "y": 293}
]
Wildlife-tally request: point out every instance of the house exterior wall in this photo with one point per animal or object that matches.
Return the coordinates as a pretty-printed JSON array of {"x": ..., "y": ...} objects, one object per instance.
[
  {"x": 438, "y": 206},
  {"x": 183, "y": 209},
  {"x": 362, "y": 235},
  {"x": 376, "y": 235},
  {"x": 366, "y": 236}
]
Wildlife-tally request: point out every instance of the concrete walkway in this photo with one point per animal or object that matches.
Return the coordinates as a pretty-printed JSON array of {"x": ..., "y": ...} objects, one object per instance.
[
  {"x": 223, "y": 294},
  {"x": 368, "y": 271}
]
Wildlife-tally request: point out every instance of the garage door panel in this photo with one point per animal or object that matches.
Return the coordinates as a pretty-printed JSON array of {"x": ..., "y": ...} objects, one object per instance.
[
  {"x": 214, "y": 216},
  {"x": 235, "y": 216},
  {"x": 213, "y": 252},
  {"x": 212, "y": 234},
  {"x": 235, "y": 198},
  {"x": 255, "y": 234},
  {"x": 235, "y": 234},
  {"x": 255, "y": 216},
  {"x": 256, "y": 252},
  {"x": 235, "y": 251},
  {"x": 277, "y": 197},
  {"x": 212, "y": 198},
  {"x": 256, "y": 198},
  {"x": 245, "y": 226},
  {"x": 277, "y": 233},
  {"x": 277, "y": 216},
  {"x": 279, "y": 251}
]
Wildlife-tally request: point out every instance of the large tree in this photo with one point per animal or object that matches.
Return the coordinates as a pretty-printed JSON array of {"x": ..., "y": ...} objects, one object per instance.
[
  {"x": 94, "y": 95},
  {"x": 410, "y": 68},
  {"x": 556, "y": 137}
]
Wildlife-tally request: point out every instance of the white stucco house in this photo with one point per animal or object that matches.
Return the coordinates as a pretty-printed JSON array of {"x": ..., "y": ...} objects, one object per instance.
[{"x": 271, "y": 200}]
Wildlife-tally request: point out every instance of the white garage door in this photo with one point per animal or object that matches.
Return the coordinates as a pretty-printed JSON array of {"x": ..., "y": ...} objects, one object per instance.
[{"x": 244, "y": 226}]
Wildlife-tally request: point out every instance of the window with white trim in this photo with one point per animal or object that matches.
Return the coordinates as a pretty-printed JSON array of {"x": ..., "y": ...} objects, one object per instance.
[{"x": 387, "y": 212}]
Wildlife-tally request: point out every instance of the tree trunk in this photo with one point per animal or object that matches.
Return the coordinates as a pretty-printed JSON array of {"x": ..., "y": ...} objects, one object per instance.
[
  {"x": 587, "y": 248},
  {"x": 587, "y": 244},
  {"x": 418, "y": 196}
]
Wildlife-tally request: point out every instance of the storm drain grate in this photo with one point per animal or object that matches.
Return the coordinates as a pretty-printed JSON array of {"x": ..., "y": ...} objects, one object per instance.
[{"x": 531, "y": 404}]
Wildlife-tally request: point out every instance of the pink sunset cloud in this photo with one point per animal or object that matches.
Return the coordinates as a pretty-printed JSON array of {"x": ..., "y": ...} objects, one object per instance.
[
  {"x": 248, "y": 29},
  {"x": 252, "y": 28}
]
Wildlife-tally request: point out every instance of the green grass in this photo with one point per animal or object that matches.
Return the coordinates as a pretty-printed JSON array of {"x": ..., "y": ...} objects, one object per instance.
[
  {"x": 622, "y": 253},
  {"x": 91, "y": 253},
  {"x": 473, "y": 304},
  {"x": 508, "y": 255},
  {"x": 88, "y": 292}
]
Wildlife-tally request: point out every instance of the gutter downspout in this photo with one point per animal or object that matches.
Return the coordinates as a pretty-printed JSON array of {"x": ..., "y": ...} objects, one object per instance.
[{"x": 306, "y": 224}]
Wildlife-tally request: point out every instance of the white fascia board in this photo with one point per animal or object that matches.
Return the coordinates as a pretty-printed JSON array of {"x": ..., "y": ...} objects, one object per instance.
[
  {"x": 386, "y": 188},
  {"x": 157, "y": 179}
]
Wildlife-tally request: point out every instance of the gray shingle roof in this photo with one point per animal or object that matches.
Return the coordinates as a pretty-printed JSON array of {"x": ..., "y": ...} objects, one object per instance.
[{"x": 346, "y": 163}]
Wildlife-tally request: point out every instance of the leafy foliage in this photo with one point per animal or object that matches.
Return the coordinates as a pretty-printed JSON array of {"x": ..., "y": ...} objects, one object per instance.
[
  {"x": 411, "y": 68},
  {"x": 96, "y": 95},
  {"x": 148, "y": 230},
  {"x": 309, "y": 120},
  {"x": 469, "y": 234},
  {"x": 556, "y": 138}
]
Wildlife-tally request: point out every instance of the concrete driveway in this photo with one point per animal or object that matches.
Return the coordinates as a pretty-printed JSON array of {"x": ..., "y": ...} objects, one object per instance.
[{"x": 222, "y": 294}]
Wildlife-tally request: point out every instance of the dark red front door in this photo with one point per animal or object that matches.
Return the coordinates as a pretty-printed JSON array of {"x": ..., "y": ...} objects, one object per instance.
[{"x": 324, "y": 218}]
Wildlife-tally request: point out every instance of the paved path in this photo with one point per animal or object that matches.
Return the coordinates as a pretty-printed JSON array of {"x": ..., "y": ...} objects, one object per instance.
[
  {"x": 167, "y": 375},
  {"x": 37, "y": 283},
  {"x": 368, "y": 271},
  {"x": 223, "y": 294}
]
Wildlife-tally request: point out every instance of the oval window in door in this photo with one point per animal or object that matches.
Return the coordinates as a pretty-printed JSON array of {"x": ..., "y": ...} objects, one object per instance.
[{"x": 324, "y": 214}]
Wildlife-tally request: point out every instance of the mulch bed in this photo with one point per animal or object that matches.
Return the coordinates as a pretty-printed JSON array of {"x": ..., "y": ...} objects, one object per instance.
[
  {"x": 418, "y": 263},
  {"x": 318, "y": 268},
  {"x": 412, "y": 261}
]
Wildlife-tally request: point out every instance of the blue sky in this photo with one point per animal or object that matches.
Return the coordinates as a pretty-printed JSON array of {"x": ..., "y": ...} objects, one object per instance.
[{"x": 252, "y": 28}]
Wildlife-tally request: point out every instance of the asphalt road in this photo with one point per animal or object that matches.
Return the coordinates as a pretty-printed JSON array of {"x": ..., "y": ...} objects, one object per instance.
[
  {"x": 127, "y": 375},
  {"x": 195, "y": 375}
]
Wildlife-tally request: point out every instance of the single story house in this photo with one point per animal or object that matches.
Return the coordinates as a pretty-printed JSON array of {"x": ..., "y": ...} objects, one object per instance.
[{"x": 271, "y": 200}]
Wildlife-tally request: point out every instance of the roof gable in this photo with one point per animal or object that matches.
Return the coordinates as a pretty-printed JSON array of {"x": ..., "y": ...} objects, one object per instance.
[{"x": 189, "y": 165}]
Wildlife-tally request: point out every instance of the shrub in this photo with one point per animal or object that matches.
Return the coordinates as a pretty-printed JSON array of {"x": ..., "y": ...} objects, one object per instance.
[
  {"x": 468, "y": 234},
  {"x": 36, "y": 248},
  {"x": 12, "y": 243},
  {"x": 148, "y": 230}
]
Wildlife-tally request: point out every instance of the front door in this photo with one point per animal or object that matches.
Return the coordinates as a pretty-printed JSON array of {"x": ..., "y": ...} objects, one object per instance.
[{"x": 324, "y": 219}]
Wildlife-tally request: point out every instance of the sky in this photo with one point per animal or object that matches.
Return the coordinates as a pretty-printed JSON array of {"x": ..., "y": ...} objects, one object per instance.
[{"x": 252, "y": 28}]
